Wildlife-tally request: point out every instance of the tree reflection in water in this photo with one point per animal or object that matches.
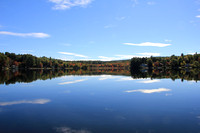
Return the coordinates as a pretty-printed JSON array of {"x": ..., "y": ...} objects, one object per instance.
[{"x": 22, "y": 76}]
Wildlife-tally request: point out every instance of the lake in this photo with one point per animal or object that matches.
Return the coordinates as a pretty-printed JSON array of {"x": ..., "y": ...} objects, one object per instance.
[{"x": 99, "y": 102}]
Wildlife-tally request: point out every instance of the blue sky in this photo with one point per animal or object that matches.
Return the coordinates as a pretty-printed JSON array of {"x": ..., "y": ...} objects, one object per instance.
[{"x": 100, "y": 29}]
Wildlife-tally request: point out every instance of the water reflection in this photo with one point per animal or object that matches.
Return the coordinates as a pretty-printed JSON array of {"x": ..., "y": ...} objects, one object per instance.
[
  {"x": 9, "y": 77},
  {"x": 69, "y": 130},
  {"x": 36, "y": 101},
  {"x": 99, "y": 102},
  {"x": 72, "y": 82},
  {"x": 149, "y": 81},
  {"x": 150, "y": 90}
]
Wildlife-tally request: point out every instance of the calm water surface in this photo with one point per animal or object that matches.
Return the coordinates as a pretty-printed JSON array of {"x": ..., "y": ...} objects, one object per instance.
[{"x": 100, "y": 104}]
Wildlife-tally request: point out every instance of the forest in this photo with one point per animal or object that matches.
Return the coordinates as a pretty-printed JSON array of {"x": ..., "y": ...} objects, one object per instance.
[
  {"x": 172, "y": 62},
  {"x": 28, "y": 61}
]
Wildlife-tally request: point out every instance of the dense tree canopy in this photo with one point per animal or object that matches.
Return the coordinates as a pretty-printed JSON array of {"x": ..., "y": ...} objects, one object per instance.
[
  {"x": 172, "y": 62},
  {"x": 28, "y": 61}
]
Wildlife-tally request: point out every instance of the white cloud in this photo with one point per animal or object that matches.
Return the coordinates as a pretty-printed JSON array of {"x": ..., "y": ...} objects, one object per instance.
[
  {"x": 192, "y": 53},
  {"x": 72, "y": 82},
  {"x": 166, "y": 40},
  {"x": 146, "y": 54},
  {"x": 69, "y": 130},
  {"x": 198, "y": 16},
  {"x": 123, "y": 57},
  {"x": 36, "y": 101},
  {"x": 67, "y": 4},
  {"x": 149, "y": 81},
  {"x": 105, "y": 58},
  {"x": 149, "y": 44},
  {"x": 151, "y": 3},
  {"x": 36, "y": 35},
  {"x": 149, "y": 91},
  {"x": 116, "y": 57},
  {"x": 73, "y": 54}
]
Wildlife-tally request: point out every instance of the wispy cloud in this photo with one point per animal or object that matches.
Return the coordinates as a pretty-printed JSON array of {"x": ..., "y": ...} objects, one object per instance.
[
  {"x": 126, "y": 79},
  {"x": 123, "y": 57},
  {"x": 191, "y": 53},
  {"x": 149, "y": 91},
  {"x": 26, "y": 51},
  {"x": 151, "y": 3},
  {"x": 148, "y": 44},
  {"x": 36, "y": 35},
  {"x": 114, "y": 57},
  {"x": 149, "y": 81},
  {"x": 198, "y": 16},
  {"x": 117, "y": 57},
  {"x": 91, "y": 42},
  {"x": 73, "y": 54},
  {"x": 66, "y": 44},
  {"x": 146, "y": 54},
  {"x": 72, "y": 82},
  {"x": 135, "y": 2},
  {"x": 167, "y": 40},
  {"x": 36, "y": 101},
  {"x": 105, "y": 58},
  {"x": 109, "y": 26},
  {"x": 117, "y": 78},
  {"x": 120, "y": 18},
  {"x": 67, "y": 4},
  {"x": 69, "y": 130},
  {"x": 168, "y": 94},
  {"x": 105, "y": 77}
]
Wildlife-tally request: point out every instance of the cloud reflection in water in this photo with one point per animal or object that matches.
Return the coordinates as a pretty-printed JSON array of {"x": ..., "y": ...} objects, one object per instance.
[
  {"x": 72, "y": 82},
  {"x": 149, "y": 81},
  {"x": 149, "y": 91},
  {"x": 36, "y": 101},
  {"x": 69, "y": 130}
]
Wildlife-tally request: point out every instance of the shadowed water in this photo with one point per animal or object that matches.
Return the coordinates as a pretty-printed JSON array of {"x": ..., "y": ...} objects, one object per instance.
[{"x": 100, "y": 101}]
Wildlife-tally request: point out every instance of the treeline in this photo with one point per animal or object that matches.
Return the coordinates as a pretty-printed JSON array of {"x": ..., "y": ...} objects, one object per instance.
[
  {"x": 172, "y": 62},
  {"x": 27, "y": 61}
]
